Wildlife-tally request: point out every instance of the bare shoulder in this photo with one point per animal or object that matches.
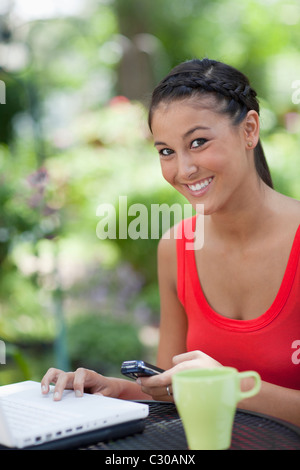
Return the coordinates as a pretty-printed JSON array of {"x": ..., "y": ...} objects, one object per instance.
[
  {"x": 167, "y": 243},
  {"x": 292, "y": 213},
  {"x": 283, "y": 227},
  {"x": 167, "y": 257},
  {"x": 288, "y": 210}
]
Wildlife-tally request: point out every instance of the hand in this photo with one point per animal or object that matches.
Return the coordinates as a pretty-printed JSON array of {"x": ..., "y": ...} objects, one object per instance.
[
  {"x": 194, "y": 360},
  {"x": 82, "y": 380},
  {"x": 160, "y": 386}
]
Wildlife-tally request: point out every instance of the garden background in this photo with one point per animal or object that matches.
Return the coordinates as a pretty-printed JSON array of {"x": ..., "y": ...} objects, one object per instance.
[{"x": 78, "y": 75}]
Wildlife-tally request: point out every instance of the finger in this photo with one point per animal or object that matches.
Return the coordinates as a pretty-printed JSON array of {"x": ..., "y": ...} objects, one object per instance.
[
  {"x": 50, "y": 377},
  {"x": 64, "y": 380},
  {"x": 157, "y": 386},
  {"x": 153, "y": 382},
  {"x": 187, "y": 356},
  {"x": 79, "y": 381},
  {"x": 160, "y": 393}
]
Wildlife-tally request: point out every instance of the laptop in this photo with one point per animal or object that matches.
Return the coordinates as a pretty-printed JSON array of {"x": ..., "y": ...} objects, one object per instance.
[{"x": 30, "y": 420}]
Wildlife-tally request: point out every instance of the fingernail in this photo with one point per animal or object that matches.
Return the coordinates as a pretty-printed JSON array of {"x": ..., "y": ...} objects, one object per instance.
[
  {"x": 44, "y": 389},
  {"x": 56, "y": 396},
  {"x": 78, "y": 393},
  {"x": 138, "y": 381}
]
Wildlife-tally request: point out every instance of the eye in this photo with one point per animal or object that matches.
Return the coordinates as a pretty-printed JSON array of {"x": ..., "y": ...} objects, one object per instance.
[
  {"x": 198, "y": 143},
  {"x": 165, "y": 152}
]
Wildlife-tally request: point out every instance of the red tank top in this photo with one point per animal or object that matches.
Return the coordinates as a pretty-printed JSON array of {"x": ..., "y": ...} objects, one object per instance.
[{"x": 269, "y": 344}]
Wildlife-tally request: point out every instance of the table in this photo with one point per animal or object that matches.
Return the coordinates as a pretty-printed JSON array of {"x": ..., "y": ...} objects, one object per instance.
[{"x": 164, "y": 431}]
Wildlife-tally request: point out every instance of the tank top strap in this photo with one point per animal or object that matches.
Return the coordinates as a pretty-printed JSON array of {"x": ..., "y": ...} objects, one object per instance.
[{"x": 184, "y": 228}]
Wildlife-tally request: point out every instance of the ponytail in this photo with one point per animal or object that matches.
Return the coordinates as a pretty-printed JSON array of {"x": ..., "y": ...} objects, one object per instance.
[{"x": 261, "y": 165}]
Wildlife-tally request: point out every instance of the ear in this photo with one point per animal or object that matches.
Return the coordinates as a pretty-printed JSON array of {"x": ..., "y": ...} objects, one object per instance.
[{"x": 251, "y": 129}]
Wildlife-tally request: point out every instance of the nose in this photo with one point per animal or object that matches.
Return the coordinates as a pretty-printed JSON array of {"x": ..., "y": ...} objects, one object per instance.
[{"x": 187, "y": 166}]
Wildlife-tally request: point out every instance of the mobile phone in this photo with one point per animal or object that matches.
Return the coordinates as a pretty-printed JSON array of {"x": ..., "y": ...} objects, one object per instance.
[{"x": 135, "y": 369}]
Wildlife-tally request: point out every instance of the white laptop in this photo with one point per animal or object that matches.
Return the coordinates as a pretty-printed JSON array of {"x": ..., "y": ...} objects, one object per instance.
[{"x": 29, "y": 419}]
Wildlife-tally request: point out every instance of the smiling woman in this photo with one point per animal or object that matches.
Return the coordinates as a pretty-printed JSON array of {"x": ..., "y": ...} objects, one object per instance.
[
  {"x": 235, "y": 302},
  {"x": 236, "y": 295}
]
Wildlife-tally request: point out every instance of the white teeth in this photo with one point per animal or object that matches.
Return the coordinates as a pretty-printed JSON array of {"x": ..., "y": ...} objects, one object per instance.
[{"x": 198, "y": 186}]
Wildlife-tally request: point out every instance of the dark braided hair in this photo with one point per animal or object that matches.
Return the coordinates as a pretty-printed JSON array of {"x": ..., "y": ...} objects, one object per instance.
[{"x": 229, "y": 86}]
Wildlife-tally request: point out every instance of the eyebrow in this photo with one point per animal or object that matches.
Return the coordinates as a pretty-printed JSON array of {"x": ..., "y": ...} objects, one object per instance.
[{"x": 191, "y": 131}]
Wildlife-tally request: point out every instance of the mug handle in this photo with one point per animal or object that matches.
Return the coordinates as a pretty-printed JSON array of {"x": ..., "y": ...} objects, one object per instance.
[{"x": 255, "y": 389}]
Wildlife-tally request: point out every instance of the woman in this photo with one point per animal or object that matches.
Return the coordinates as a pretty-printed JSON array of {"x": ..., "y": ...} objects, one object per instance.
[{"x": 234, "y": 302}]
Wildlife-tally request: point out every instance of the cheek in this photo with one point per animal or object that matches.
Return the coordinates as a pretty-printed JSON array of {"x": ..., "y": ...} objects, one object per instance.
[
  {"x": 220, "y": 161},
  {"x": 214, "y": 161},
  {"x": 168, "y": 171}
]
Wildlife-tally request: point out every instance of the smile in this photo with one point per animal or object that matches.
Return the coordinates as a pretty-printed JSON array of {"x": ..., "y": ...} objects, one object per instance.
[{"x": 200, "y": 185}]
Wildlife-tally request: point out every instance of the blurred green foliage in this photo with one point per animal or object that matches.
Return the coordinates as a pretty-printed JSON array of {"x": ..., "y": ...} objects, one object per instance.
[
  {"x": 112, "y": 340},
  {"x": 69, "y": 143}
]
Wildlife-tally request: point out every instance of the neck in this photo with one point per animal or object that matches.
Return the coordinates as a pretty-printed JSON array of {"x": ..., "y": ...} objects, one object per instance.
[{"x": 243, "y": 219}]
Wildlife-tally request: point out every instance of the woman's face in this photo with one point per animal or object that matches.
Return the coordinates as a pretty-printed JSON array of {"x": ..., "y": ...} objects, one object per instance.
[{"x": 202, "y": 154}]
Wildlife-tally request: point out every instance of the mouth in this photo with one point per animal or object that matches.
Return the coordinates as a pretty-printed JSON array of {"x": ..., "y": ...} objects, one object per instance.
[{"x": 200, "y": 187}]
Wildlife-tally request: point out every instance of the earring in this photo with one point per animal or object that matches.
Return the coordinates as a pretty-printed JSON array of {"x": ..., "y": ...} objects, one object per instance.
[{"x": 250, "y": 144}]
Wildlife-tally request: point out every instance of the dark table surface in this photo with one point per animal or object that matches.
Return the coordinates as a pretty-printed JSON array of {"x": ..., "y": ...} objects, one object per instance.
[{"x": 164, "y": 431}]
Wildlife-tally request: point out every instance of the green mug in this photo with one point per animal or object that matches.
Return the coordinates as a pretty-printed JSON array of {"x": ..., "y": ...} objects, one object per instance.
[{"x": 206, "y": 401}]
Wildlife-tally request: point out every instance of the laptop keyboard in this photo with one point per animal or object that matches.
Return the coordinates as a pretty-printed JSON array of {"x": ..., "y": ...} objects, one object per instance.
[{"x": 21, "y": 416}]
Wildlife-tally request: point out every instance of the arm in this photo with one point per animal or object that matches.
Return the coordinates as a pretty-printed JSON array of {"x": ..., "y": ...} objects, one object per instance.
[
  {"x": 273, "y": 400},
  {"x": 172, "y": 341},
  {"x": 85, "y": 380},
  {"x": 173, "y": 321}
]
